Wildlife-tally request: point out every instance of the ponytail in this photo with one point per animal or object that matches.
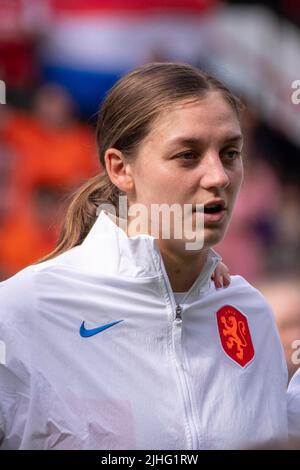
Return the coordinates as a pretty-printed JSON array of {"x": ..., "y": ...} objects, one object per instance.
[{"x": 82, "y": 212}]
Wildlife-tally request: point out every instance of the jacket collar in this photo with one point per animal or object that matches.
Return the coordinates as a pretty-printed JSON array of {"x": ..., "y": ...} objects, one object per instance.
[{"x": 107, "y": 249}]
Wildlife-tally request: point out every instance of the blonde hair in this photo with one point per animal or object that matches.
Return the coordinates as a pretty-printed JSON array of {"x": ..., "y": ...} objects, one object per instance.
[{"x": 124, "y": 120}]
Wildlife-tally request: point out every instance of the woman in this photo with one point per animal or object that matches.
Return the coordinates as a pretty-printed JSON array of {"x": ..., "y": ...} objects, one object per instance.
[{"x": 119, "y": 339}]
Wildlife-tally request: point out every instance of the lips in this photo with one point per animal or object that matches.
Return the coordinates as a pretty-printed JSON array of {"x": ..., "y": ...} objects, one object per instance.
[
  {"x": 214, "y": 210},
  {"x": 214, "y": 217},
  {"x": 214, "y": 206}
]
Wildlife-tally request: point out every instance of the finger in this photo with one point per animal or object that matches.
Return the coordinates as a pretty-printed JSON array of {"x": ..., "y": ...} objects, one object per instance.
[
  {"x": 218, "y": 280},
  {"x": 226, "y": 280}
]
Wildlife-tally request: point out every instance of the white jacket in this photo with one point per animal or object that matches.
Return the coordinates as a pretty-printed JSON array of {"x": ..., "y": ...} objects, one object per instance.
[
  {"x": 150, "y": 381},
  {"x": 294, "y": 406}
]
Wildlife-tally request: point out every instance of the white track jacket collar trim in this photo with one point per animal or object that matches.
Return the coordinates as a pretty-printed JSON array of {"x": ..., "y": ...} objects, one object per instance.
[{"x": 111, "y": 251}]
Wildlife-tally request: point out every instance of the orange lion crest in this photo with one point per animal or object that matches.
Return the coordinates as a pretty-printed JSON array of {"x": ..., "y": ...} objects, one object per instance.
[{"x": 235, "y": 334}]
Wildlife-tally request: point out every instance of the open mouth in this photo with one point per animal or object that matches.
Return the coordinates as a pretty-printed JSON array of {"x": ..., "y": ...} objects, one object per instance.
[{"x": 213, "y": 208}]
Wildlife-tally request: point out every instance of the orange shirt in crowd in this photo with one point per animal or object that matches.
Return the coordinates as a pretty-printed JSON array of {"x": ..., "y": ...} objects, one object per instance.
[
  {"x": 54, "y": 156},
  {"x": 59, "y": 158},
  {"x": 23, "y": 241}
]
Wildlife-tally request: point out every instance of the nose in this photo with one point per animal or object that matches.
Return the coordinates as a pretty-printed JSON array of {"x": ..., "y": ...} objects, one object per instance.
[{"x": 214, "y": 174}]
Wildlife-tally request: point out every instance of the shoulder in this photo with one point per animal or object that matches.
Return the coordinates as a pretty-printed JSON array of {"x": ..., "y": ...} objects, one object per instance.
[
  {"x": 22, "y": 300},
  {"x": 242, "y": 291},
  {"x": 294, "y": 405},
  {"x": 261, "y": 319},
  {"x": 20, "y": 293},
  {"x": 18, "y": 300},
  {"x": 239, "y": 282},
  {"x": 18, "y": 307},
  {"x": 294, "y": 387},
  {"x": 17, "y": 294}
]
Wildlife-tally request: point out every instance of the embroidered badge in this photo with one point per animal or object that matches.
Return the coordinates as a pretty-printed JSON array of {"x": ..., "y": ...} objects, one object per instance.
[{"x": 235, "y": 335}]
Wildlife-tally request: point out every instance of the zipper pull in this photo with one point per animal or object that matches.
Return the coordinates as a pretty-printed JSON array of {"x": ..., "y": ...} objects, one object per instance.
[{"x": 178, "y": 312}]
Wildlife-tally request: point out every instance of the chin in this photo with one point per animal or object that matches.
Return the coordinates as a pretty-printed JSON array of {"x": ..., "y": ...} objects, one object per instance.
[{"x": 212, "y": 237}]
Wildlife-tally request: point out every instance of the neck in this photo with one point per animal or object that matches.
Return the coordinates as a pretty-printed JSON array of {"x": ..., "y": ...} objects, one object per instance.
[{"x": 182, "y": 269}]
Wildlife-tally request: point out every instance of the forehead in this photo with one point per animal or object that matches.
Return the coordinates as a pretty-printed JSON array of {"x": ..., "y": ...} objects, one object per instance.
[{"x": 211, "y": 116}]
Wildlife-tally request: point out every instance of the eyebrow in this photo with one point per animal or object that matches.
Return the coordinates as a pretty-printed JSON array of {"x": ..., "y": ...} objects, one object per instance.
[{"x": 194, "y": 141}]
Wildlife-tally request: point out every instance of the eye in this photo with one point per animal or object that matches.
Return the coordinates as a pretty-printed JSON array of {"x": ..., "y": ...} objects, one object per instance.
[
  {"x": 231, "y": 154},
  {"x": 187, "y": 156}
]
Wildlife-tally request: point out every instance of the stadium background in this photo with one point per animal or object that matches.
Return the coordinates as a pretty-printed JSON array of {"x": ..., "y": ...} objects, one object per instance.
[{"x": 59, "y": 57}]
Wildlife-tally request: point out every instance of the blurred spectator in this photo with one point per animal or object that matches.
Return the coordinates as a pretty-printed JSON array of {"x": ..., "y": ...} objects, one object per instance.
[
  {"x": 18, "y": 67},
  {"x": 55, "y": 148},
  {"x": 283, "y": 295},
  {"x": 7, "y": 190},
  {"x": 47, "y": 148},
  {"x": 285, "y": 254},
  {"x": 22, "y": 26},
  {"x": 30, "y": 233}
]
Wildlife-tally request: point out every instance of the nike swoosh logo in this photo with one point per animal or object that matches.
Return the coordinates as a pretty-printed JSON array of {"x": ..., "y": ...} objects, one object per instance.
[{"x": 87, "y": 333}]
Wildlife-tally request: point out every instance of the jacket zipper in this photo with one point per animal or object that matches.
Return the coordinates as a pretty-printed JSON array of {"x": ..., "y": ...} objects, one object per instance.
[
  {"x": 177, "y": 336},
  {"x": 191, "y": 418},
  {"x": 178, "y": 312}
]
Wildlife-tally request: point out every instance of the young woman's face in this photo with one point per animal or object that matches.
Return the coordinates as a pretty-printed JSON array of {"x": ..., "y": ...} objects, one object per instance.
[{"x": 192, "y": 156}]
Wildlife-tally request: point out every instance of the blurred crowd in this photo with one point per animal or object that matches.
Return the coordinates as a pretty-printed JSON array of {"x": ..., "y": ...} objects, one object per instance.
[
  {"x": 47, "y": 150},
  {"x": 45, "y": 153}
]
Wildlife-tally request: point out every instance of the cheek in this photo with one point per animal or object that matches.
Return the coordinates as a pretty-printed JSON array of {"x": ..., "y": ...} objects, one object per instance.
[
  {"x": 179, "y": 187},
  {"x": 236, "y": 178},
  {"x": 241, "y": 171},
  {"x": 158, "y": 185}
]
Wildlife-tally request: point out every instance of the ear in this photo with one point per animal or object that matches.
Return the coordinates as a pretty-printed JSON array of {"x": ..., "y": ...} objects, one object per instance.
[{"x": 118, "y": 170}]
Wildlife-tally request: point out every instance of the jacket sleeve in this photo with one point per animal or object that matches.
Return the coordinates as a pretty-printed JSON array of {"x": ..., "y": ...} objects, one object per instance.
[
  {"x": 17, "y": 309},
  {"x": 294, "y": 406}
]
